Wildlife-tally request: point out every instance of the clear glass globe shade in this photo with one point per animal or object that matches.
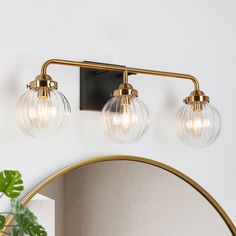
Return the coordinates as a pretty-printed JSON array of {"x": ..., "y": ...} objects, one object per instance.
[
  {"x": 125, "y": 119},
  {"x": 198, "y": 128},
  {"x": 42, "y": 117}
]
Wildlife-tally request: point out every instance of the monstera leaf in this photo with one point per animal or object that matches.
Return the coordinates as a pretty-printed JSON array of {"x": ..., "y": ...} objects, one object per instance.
[
  {"x": 27, "y": 227},
  {"x": 15, "y": 231},
  {"x": 11, "y": 183},
  {"x": 26, "y": 221},
  {"x": 19, "y": 209},
  {"x": 2, "y": 221}
]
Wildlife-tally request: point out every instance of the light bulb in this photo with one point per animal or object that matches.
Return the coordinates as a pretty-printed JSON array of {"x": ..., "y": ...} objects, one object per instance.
[
  {"x": 125, "y": 118},
  {"x": 42, "y": 116},
  {"x": 198, "y": 127}
]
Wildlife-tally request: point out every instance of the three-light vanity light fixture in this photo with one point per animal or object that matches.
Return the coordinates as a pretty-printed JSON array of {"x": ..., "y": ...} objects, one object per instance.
[{"x": 43, "y": 110}]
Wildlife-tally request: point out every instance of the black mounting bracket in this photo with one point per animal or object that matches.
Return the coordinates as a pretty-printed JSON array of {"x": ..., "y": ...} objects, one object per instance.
[{"x": 96, "y": 87}]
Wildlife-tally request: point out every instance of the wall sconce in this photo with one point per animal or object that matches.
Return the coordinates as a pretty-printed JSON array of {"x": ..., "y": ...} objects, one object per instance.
[{"x": 43, "y": 110}]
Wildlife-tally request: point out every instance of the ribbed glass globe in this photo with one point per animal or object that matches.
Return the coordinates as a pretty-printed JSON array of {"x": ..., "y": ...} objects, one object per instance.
[
  {"x": 125, "y": 118},
  {"x": 198, "y": 128},
  {"x": 42, "y": 117}
]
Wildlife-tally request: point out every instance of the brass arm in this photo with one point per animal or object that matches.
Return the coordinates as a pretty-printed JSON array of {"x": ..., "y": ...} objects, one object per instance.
[{"x": 119, "y": 68}]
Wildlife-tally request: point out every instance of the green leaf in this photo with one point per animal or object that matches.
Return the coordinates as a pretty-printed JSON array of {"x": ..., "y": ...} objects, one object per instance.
[
  {"x": 26, "y": 220},
  {"x": 31, "y": 229},
  {"x": 11, "y": 183},
  {"x": 15, "y": 231},
  {"x": 19, "y": 208},
  {"x": 2, "y": 222}
]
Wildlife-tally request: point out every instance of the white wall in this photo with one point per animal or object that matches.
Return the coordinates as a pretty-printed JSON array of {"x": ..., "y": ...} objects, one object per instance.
[{"x": 196, "y": 37}]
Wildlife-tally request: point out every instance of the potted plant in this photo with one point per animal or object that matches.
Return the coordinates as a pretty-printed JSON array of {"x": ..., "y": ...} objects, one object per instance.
[{"x": 25, "y": 222}]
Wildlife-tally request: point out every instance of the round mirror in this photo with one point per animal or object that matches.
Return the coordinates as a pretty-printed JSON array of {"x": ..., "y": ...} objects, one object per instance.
[{"x": 126, "y": 196}]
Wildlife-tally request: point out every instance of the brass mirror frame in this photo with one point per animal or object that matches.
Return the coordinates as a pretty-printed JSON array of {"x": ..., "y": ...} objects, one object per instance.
[{"x": 173, "y": 171}]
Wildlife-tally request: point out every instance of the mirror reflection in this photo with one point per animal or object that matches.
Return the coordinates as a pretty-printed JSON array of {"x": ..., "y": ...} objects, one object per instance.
[{"x": 125, "y": 198}]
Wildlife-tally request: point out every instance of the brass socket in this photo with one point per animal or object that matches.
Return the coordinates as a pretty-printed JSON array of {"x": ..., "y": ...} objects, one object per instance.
[
  {"x": 196, "y": 96},
  {"x": 42, "y": 82},
  {"x": 197, "y": 99},
  {"x": 125, "y": 89},
  {"x": 43, "y": 93}
]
